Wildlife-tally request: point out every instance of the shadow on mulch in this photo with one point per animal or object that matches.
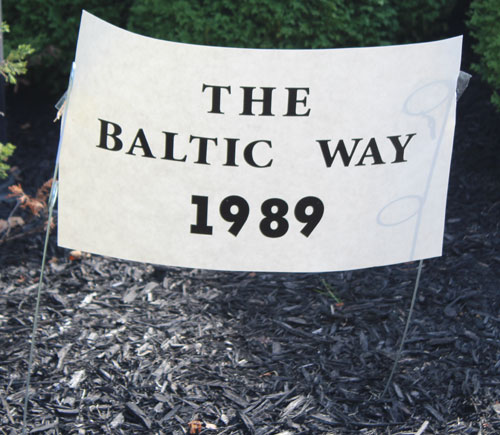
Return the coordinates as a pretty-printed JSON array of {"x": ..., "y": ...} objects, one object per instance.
[{"x": 136, "y": 348}]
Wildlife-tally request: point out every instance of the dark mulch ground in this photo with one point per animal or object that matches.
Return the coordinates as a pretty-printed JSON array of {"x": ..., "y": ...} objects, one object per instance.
[{"x": 135, "y": 348}]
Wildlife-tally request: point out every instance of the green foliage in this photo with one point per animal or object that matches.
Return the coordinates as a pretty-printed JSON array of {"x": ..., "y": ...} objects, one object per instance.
[
  {"x": 5, "y": 152},
  {"x": 423, "y": 20},
  {"x": 51, "y": 26},
  {"x": 484, "y": 23},
  {"x": 15, "y": 64},
  {"x": 290, "y": 23}
]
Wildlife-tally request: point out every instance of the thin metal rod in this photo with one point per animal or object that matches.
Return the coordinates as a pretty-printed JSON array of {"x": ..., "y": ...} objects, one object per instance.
[
  {"x": 51, "y": 202},
  {"x": 407, "y": 326}
]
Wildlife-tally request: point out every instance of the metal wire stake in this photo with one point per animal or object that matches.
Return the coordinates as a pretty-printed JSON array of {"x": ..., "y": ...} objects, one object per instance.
[
  {"x": 408, "y": 320},
  {"x": 51, "y": 202}
]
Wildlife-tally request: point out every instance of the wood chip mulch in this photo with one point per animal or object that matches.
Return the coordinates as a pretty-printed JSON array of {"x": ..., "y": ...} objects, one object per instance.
[{"x": 127, "y": 348}]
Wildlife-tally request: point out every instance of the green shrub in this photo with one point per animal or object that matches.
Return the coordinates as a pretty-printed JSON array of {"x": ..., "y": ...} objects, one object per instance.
[
  {"x": 484, "y": 24},
  {"x": 51, "y": 26},
  {"x": 5, "y": 152},
  {"x": 290, "y": 23},
  {"x": 423, "y": 20},
  {"x": 259, "y": 23}
]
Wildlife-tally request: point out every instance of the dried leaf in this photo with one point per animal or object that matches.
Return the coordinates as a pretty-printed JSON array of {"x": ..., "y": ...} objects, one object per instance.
[
  {"x": 43, "y": 192},
  {"x": 195, "y": 427},
  {"x": 36, "y": 204},
  {"x": 16, "y": 191},
  {"x": 75, "y": 255}
]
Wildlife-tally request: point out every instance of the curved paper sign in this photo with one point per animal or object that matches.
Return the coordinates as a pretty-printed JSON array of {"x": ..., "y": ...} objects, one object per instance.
[{"x": 265, "y": 160}]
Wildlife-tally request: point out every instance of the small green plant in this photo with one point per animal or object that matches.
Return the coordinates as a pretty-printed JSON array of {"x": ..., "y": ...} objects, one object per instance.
[
  {"x": 329, "y": 292},
  {"x": 484, "y": 23},
  {"x": 5, "y": 152},
  {"x": 15, "y": 64}
]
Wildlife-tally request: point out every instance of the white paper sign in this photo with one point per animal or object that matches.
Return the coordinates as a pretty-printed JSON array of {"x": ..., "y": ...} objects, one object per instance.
[{"x": 265, "y": 160}]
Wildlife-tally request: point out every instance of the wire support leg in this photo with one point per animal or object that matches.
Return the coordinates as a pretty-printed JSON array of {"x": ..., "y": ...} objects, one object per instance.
[{"x": 407, "y": 326}]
